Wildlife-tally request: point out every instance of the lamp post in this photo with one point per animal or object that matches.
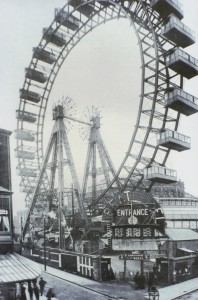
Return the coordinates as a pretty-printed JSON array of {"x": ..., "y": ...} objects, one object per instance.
[
  {"x": 73, "y": 221},
  {"x": 44, "y": 243}
]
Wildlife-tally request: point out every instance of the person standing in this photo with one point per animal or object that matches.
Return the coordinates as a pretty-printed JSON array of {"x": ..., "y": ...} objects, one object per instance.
[
  {"x": 142, "y": 281},
  {"x": 36, "y": 291},
  {"x": 30, "y": 290},
  {"x": 42, "y": 284},
  {"x": 137, "y": 280},
  {"x": 23, "y": 293},
  {"x": 150, "y": 280}
]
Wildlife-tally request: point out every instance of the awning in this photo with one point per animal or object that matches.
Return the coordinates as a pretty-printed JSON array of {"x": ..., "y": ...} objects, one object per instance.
[
  {"x": 181, "y": 234},
  {"x": 16, "y": 268},
  {"x": 186, "y": 250},
  {"x": 131, "y": 244},
  {"x": 4, "y": 191}
]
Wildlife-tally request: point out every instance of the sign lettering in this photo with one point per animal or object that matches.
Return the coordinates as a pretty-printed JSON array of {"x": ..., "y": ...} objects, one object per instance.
[
  {"x": 3, "y": 212},
  {"x": 126, "y": 212},
  {"x": 134, "y": 256},
  {"x": 135, "y": 231}
]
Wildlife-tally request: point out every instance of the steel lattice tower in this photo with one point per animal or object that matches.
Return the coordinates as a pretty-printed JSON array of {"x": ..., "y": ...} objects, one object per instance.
[
  {"x": 55, "y": 160},
  {"x": 98, "y": 163}
]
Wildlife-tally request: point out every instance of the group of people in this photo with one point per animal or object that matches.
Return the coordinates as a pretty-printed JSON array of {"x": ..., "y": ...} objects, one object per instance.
[
  {"x": 140, "y": 280},
  {"x": 36, "y": 291}
]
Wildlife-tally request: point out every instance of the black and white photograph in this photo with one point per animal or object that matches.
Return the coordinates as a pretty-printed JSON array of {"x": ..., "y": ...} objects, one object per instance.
[{"x": 98, "y": 150}]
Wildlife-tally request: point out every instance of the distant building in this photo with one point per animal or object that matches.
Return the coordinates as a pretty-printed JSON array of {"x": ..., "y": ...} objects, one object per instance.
[
  {"x": 176, "y": 190},
  {"x": 6, "y": 214},
  {"x": 5, "y": 169},
  {"x": 19, "y": 220}
]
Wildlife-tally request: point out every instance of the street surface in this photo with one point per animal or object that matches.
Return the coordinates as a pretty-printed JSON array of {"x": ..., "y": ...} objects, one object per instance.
[
  {"x": 190, "y": 296},
  {"x": 73, "y": 291},
  {"x": 67, "y": 290}
]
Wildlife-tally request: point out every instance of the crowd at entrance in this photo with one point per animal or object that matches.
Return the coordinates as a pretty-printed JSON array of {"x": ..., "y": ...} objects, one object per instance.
[{"x": 140, "y": 280}]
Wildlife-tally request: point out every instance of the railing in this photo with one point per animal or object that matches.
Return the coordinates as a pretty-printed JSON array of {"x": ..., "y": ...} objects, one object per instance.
[
  {"x": 175, "y": 135},
  {"x": 179, "y": 53},
  {"x": 181, "y": 93},
  {"x": 175, "y": 21}
]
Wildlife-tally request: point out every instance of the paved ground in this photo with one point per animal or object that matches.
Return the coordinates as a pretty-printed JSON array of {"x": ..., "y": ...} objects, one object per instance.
[
  {"x": 70, "y": 286},
  {"x": 190, "y": 296},
  {"x": 174, "y": 291}
]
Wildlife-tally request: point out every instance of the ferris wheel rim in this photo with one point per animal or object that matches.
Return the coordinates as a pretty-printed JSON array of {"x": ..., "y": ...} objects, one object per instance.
[{"x": 54, "y": 72}]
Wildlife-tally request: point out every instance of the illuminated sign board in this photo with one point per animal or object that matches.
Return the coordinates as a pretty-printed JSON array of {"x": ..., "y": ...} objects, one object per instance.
[{"x": 136, "y": 232}]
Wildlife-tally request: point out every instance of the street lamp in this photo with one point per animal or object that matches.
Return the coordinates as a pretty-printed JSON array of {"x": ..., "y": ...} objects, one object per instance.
[
  {"x": 73, "y": 221},
  {"x": 44, "y": 243}
]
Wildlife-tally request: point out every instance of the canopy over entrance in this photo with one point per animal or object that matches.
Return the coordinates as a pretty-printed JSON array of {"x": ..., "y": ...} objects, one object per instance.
[{"x": 16, "y": 268}]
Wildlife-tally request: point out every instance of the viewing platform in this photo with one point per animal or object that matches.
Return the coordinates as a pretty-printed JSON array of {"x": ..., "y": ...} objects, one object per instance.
[
  {"x": 182, "y": 63},
  {"x": 27, "y": 172},
  {"x": 105, "y": 3},
  {"x": 23, "y": 153},
  {"x": 24, "y": 134},
  {"x": 167, "y": 7},
  {"x": 35, "y": 75},
  {"x": 178, "y": 33},
  {"x": 160, "y": 174},
  {"x": 181, "y": 101},
  {"x": 26, "y": 116},
  {"x": 87, "y": 9},
  {"x": 28, "y": 190},
  {"x": 56, "y": 38},
  {"x": 29, "y": 95},
  {"x": 174, "y": 140},
  {"x": 45, "y": 56},
  {"x": 66, "y": 19}
]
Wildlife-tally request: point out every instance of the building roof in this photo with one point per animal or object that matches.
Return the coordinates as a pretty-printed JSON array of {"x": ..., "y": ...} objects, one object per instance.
[
  {"x": 177, "y": 234},
  {"x": 181, "y": 213},
  {"x": 16, "y": 268},
  {"x": 6, "y": 132},
  {"x": 3, "y": 190}
]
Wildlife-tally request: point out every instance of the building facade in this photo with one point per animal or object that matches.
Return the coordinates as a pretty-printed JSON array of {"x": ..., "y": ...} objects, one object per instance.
[{"x": 5, "y": 169}]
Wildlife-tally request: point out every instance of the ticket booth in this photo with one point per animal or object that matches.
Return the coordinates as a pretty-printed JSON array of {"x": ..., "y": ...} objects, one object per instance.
[
  {"x": 106, "y": 269},
  {"x": 162, "y": 268}
]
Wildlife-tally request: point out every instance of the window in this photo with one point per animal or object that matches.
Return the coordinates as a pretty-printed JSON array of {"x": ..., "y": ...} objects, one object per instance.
[
  {"x": 178, "y": 224},
  {"x": 4, "y": 223},
  {"x": 193, "y": 224},
  {"x": 168, "y": 172},
  {"x": 4, "y": 203},
  {"x": 185, "y": 224},
  {"x": 170, "y": 224}
]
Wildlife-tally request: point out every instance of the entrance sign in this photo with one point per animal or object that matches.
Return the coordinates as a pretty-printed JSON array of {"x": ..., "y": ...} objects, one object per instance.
[{"x": 127, "y": 212}]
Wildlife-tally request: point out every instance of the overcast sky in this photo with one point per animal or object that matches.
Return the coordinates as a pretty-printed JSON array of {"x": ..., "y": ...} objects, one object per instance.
[{"x": 103, "y": 70}]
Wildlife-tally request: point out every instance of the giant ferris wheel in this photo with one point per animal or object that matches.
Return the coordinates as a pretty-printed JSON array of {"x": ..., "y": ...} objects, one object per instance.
[{"x": 162, "y": 37}]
